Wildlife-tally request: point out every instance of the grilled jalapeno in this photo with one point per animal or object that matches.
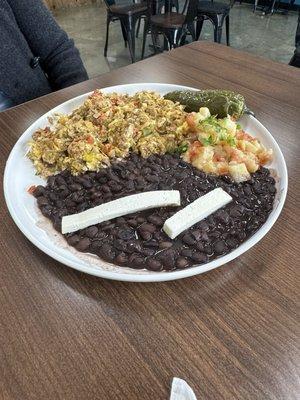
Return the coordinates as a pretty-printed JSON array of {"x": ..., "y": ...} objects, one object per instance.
[{"x": 220, "y": 102}]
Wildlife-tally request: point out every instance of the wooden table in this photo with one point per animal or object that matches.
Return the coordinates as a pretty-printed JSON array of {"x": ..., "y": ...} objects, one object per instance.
[{"x": 231, "y": 333}]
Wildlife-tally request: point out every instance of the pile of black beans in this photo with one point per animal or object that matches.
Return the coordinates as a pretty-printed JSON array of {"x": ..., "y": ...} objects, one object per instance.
[{"x": 137, "y": 240}]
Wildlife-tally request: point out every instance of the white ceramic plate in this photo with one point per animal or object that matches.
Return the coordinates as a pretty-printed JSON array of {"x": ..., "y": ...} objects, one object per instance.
[{"x": 20, "y": 175}]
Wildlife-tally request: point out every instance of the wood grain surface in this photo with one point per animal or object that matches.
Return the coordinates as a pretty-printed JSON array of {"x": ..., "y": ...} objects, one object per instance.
[{"x": 232, "y": 333}]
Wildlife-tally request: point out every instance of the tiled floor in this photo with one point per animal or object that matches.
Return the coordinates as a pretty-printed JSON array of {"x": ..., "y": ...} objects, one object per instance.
[{"x": 267, "y": 36}]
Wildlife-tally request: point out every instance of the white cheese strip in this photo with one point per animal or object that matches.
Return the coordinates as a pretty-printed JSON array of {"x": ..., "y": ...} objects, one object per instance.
[
  {"x": 119, "y": 207},
  {"x": 195, "y": 212}
]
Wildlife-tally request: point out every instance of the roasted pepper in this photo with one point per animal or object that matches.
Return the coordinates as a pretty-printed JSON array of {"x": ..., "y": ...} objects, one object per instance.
[{"x": 219, "y": 102}]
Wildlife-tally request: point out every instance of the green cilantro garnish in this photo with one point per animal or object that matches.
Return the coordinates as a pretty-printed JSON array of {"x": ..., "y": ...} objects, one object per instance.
[
  {"x": 207, "y": 141},
  {"x": 231, "y": 141}
]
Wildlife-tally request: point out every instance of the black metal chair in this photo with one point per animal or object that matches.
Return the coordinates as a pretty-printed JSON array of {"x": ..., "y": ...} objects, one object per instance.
[
  {"x": 128, "y": 15},
  {"x": 173, "y": 26},
  {"x": 159, "y": 5},
  {"x": 216, "y": 13}
]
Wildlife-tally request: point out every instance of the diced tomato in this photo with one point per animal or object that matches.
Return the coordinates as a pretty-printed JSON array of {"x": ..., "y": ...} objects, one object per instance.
[
  {"x": 194, "y": 151},
  {"x": 96, "y": 93},
  {"x": 236, "y": 155},
  {"x": 101, "y": 117},
  {"x": 190, "y": 119},
  {"x": 108, "y": 147},
  {"x": 31, "y": 189},
  {"x": 223, "y": 169},
  {"x": 218, "y": 157},
  {"x": 90, "y": 140},
  {"x": 242, "y": 135}
]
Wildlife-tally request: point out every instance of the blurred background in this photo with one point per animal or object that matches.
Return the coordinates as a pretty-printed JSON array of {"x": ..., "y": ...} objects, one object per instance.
[{"x": 270, "y": 35}]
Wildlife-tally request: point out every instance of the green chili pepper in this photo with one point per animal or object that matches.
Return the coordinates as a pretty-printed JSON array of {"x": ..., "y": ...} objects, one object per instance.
[{"x": 219, "y": 102}]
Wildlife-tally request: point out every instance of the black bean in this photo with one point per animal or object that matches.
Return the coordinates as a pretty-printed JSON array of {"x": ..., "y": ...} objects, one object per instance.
[
  {"x": 133, "y": 223},
  {"x": 220, "y": 247},
  {"x": 42, "y": 201},
  {"x": 148, "y": 227},
  {"x": 73, "y": 240},
  {"x": 140, "y": 183},
  {"x": 102, "y": 179},
  {"x": 107, "y": 252},
  {"x": 121, "y": 258},
  {"x": 133, "y": 246},
  {"x": 87, "y": 183},
  {"x": 200, "y": 246},
  {"x": 39, "y": 191},
  {"x": 131, "y": 176},
  {"x": 96, "y": 195},
  {"x": 232, "y": 243},
  {"x": 152, "y": 178},
  {"x": 222, "y": 216},
  {"x": 46, "y": 211},
  {"x": 129, "y": 185},
  {"x": 115, "y": 187},
  {"x": 83, "y": 244},
  {"x": 51, "y": 182},
  {"x": 188, "y": 239},
  {"x": 75, "y": 187},
  {"x": 59, "y": 180},
  {"x": 91, "y": 231},
  {"x": 126, "y": 234},
  {"x": 148, "y": 252},
  {"x": 136, "y": 261},
  {"x": 156, "y": 220},
  {"x": 187, "y": 253},
  {"x": 257, "y": 188},
  {"x": 106, "y": 197},
  {"x": 197, "y": 234},
  {"x": 181, "y": 262},
  {"x": 203, "y": 225},
  {"x": 154, "y": 265},
  {"x": 247, "y": 190},
  {"x": 146, "y": 235},
  {"x": 105, "y": 189},
  {"x": 165, "y": 245},
  {"x": 153, "y": 244},
  {"x": 208, "y": 249},
  {"x": 236, "y": 210},
  {"x": 120, "y": 220},
  {"x": 64, "y": 193},
  {"x": 199, "y": 257}
]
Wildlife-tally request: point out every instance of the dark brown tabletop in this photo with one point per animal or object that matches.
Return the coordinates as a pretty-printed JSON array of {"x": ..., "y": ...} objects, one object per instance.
[{"x": 232, "y": 333}]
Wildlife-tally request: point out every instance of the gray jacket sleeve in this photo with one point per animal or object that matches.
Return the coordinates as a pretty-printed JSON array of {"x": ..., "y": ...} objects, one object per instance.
[{"x": 59, "y": 57}]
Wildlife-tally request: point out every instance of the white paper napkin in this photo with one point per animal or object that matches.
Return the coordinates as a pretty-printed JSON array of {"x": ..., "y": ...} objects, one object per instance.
[{"x": 181, "y": 390}]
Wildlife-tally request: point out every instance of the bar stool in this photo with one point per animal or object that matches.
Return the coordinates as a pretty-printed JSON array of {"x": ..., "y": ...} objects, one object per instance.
[{"x": 216, "y": 13}]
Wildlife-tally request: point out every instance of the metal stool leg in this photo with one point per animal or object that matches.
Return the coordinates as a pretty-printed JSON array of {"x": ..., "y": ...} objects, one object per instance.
[
  {"x": 199, "y": 25},
  {"x": 227, "y": 30},
  {"x": 108, "y": 19}
]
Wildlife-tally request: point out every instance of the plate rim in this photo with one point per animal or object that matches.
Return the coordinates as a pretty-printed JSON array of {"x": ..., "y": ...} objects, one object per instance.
[{"x": 151, "y": 276}]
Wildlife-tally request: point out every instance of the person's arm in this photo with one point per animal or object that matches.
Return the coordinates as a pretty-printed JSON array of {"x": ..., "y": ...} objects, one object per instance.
[{"x": 59, "y": 57}]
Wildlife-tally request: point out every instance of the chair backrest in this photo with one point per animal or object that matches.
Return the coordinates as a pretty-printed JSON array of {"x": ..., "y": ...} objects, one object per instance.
[
  {"x": 191, "y": 7},
  {"x": 109, "y": 3},
  {"x": 152, "y": 7}
]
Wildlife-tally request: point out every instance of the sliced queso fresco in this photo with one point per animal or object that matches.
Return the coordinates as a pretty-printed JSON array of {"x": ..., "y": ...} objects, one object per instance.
[
  {"x": 179, "y": 222},
  {"x": 119, "y": 207},
  {"x": 195, "y": 212}
]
